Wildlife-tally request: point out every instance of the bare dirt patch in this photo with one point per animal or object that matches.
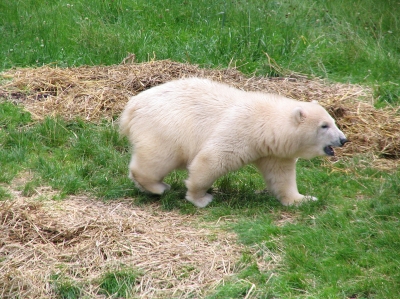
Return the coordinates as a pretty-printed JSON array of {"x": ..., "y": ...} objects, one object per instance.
[
  {"x": 80, "y": 239},
  {"x": 98, "y": 92}
]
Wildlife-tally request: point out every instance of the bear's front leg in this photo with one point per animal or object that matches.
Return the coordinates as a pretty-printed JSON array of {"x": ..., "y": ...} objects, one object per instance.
[{"x": 280, "y": 176}]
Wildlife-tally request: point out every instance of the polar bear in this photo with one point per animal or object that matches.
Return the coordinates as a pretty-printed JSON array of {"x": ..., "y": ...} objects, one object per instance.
[{"x": 211, "y": 128}]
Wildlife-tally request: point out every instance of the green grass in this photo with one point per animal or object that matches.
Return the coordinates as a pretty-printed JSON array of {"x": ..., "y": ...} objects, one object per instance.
[
  {"x": 346, "y": 245},
  {"x": 65, "y": 288},
  {"x": 119, "y": 283},
  {"x": 4, "y": 194},
  {"x": 341, "y": 251},
  {"x": 349, "y": 41},
  {"x": 72, "y": 157},
  {"x": 114, "y": 283}
]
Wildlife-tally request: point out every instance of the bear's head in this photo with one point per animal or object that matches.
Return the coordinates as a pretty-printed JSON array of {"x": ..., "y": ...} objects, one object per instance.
[{"x": 318, "y": 133}]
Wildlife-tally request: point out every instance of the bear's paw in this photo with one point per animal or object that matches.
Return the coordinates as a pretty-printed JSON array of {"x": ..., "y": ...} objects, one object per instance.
[{"x": 200, "y": 202}]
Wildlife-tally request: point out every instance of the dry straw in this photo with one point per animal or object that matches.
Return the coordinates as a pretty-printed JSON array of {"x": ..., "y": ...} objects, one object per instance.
[
  {"x": 99, "y": 92},
  {"x": 79, "y": 239}
]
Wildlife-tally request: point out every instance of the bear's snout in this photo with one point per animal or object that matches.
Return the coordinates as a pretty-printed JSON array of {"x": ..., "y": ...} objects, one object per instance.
[{"x": 343, "y": 140}]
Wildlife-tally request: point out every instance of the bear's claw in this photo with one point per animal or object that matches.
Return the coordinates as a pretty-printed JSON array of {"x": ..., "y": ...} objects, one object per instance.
[
  {"x": 309, "y": 198},
  {"x": 299, "y": 201}
]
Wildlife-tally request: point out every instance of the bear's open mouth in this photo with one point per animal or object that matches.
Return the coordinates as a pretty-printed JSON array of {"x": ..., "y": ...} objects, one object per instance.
[{"x": 329, "y": 150}]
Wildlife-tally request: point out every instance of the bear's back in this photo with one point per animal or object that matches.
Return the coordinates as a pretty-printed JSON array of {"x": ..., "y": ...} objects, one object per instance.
[
  {"x": 191, "y": 93},
  {"x": 183, "y": 112},
  {"x": 187, "y": 113}
]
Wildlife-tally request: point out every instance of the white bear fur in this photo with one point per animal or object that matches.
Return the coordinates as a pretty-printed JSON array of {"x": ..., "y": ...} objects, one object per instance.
[{"x": 211, "y": 129}]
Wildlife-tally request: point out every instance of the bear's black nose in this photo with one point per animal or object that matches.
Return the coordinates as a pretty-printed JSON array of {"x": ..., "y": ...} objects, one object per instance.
[{"x": 343, "y": 141}]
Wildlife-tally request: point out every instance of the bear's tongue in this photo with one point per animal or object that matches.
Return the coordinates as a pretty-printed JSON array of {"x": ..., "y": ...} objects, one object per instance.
[{"x": 329, "y": 150}]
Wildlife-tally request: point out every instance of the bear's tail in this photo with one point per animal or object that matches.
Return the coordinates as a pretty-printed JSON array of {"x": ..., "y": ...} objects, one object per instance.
[{"x": 125, "y": 120}]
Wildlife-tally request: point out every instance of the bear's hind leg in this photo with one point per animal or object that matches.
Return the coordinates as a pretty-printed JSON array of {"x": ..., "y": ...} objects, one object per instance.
[{"x": 148, "y": 174}]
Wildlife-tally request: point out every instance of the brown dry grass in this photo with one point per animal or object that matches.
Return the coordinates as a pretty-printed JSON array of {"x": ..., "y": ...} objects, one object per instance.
[
  {"x": 80, "y": 239},
  {"x": 99, "y": 92}
]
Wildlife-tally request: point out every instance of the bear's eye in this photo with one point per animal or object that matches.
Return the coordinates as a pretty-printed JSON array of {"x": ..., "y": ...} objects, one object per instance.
[{"x": 325, "y": 126}]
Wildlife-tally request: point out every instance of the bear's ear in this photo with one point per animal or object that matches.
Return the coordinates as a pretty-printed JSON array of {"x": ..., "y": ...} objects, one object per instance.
[
  {"x": 299, "y": 115},
  {"x": 314, "y": 101}
]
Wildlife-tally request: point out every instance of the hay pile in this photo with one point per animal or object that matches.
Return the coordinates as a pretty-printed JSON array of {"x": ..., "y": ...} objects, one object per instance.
[
  {"x": 102, "y": 91},
  {"x": 80, "y": 239}
]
